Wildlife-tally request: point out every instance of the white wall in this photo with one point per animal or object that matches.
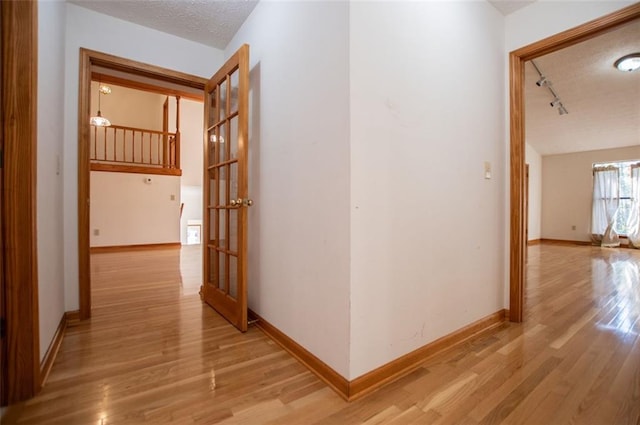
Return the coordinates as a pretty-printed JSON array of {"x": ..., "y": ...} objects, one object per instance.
[
  {"x": 567, "y": 187},
  {"x": 426, "y": 226},
  {"x": 51, "y": 88},
  {"x": 129, "y": 107},
  {"x": 533, "y": 158},
  {"x": 92, "y": 30},
  {"x": 299, "y": 172},
  {"x": 191, "y": 124},
  {"x": 127, "y": 209}
]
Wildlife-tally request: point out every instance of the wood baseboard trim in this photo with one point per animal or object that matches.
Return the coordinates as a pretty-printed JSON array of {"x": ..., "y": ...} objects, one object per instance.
[
  {"x": 402, "y": 366},
  {"x": 72, "y": 316},
  {"x": 533, "y": 242},
  {"x": 564, "y": 242},
  {"x": 323, "y": 371},
  {"x": 139, "y": 247},
  {"x": 385, "y": 374},
  {"x": 52, "y": 351}
]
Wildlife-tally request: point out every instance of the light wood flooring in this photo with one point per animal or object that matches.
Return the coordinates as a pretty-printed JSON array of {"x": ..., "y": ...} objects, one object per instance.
[{"x": 153, "y": 353}]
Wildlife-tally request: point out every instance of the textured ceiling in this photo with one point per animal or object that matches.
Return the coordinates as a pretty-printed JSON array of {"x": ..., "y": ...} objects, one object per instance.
[
  {"x": 603, "y": 103},
  {"x": 509, "y": 6},
  {"x": 210, "y": 22}
]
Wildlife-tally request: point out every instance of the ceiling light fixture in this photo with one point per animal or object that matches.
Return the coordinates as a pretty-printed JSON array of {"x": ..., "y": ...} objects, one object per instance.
[
  {"x": 628, "y": 63},
  {"x": 543, "y": 82},
  {"x": 98, "y": 120}
]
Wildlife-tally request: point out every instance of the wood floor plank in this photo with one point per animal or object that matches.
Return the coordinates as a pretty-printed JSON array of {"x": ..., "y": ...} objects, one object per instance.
[{"x": 153, "y": 353}]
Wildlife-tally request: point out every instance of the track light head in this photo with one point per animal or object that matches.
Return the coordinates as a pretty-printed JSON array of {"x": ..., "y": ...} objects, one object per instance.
[
  {"x": 562, "y": 110},
  {"x": 555, "y": 102},
  {"x": 543, "y": 82}
]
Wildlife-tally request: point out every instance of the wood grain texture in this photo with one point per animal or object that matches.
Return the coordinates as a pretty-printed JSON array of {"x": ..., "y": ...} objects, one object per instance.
[
  {"x": 52, "y": 351},
  {"x": 89, "y": 59},
  {"x": 403, "y": 365},
  {"x": 517, "y": 59},
  {"x": 154, "y": 353},
  {"x": 151, "y": 88},
  {"x": 115, "y": 168},
  {"x": 19, "y": 100},
  {"x": 137, "y": 247},
  {"x": 332, "y": 378}
]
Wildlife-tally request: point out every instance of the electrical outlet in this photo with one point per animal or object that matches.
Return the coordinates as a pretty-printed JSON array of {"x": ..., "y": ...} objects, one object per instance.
[
  {"x": 487, "y": 170},
  {"x": 172, "y": 197},
  {"x": 573, "y": 227},
  {"x": 96, "y": 232}
]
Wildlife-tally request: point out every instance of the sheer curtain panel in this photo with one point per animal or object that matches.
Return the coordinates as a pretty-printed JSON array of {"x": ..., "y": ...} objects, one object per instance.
[
  {"x": 633, "y": 222},
  {"x": 606, "y": 198}
]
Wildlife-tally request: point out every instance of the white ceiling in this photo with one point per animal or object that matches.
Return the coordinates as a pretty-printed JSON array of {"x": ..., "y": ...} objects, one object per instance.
[
  {"x": 210, "y": 22},
  {"x": 507, "y": 7},
  {"x": 603, "y": 103}
]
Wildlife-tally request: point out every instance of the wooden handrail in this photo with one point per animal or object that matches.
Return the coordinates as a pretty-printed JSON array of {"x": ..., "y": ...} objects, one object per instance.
[{"x": 118, "y": 144}]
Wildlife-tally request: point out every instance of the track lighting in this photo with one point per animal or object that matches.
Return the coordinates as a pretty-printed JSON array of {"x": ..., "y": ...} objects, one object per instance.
[{"x": 543, "y": 82}]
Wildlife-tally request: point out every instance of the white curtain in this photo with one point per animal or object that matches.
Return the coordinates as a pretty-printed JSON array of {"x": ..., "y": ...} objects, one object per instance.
[
  {"x": 633, "y": 222},
  {"x": 606, "y": 199}
]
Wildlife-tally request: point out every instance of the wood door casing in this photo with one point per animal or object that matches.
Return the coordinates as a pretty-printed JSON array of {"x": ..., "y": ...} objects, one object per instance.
[{"x": 225, "y": 187}]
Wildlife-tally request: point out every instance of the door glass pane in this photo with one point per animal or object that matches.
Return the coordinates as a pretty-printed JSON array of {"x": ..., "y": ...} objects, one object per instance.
[
  {"x": 233, "y": 276},
  {"x": 213, "y": 264},
  {"x": 222, "y": 149},
  {"x": 223, "y": 200},
  {"x": 235, "y": 79},
  {"x": 211, "y": 113},
  {"x": 222, "y": 271},
  {"x": 212, "y": 227},
  {"x": 222, "y": 229},
  {"x": 223, "y": 100},
  {"x": 233, "y": 175},
  {"x": 212, "y": 190},
  {"x": 233, "y": 230},
  {"x": 212, "y": 146},
  {"x": 233, "y": 137}
]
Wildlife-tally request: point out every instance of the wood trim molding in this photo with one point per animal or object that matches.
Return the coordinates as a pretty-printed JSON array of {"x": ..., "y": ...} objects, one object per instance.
[
  {"x": 377, "y": 378},
  {"x": 19, "y": 133},
  {"x": 52, "y": 351},
  {"x": 88, "y": 59},
  {"x": 137, "y": 85},
  {"x": 67, "y": 319},
  {"x": 138, "y": 247},
  {"x": 534, "y": 242},
  {"x": 517, "y": 58},
  {"x": 564, "y": 242},
  {"x": 115, "y": 168},
  {"x": 401, "y": 366},
  {"x": 323, "y": 371}
]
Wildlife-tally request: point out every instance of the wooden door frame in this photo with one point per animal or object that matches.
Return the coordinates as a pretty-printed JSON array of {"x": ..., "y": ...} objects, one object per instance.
[
  {"x": 89, "y": 58},
  {"x": 20, "y": 263},
  {"x": 517, "y": 59}
]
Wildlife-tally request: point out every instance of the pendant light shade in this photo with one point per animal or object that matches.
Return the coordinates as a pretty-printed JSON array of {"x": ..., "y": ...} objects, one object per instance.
[{"x": 98, "y": 120}]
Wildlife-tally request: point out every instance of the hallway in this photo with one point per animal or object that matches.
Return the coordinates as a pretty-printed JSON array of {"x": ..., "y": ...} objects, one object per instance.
[{"x": 152, "y": 353}]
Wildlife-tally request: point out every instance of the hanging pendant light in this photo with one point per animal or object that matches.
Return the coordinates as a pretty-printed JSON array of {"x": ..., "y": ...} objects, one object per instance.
[{"x": 98, "y": 120}]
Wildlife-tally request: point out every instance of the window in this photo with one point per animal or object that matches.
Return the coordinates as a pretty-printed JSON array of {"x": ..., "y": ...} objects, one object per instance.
[{"x": 625, "y": 198}]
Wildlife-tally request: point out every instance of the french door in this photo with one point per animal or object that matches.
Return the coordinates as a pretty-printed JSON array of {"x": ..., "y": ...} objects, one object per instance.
[{"x": 225, "y": 187}]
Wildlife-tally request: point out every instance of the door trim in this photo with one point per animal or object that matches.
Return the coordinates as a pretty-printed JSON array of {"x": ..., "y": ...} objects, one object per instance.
[
  {"x": 19, "y": 237},
  {"x": 89, "y": 58},
  {"x": 517, "y": 59}
]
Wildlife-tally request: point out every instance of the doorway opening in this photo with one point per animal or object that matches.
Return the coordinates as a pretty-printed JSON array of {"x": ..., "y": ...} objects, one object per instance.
[
  {"x": 108, "y": 68},
  {"x": 517, "y": 59}
]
